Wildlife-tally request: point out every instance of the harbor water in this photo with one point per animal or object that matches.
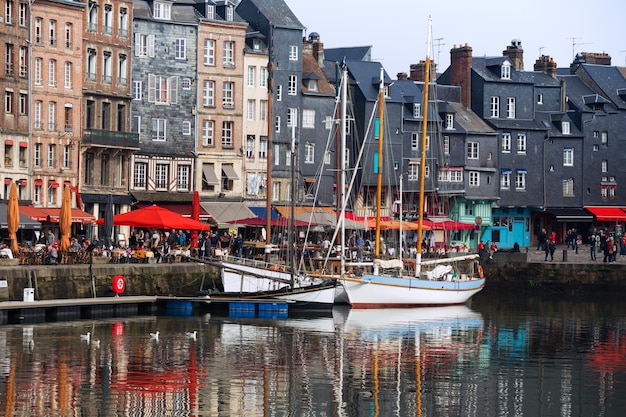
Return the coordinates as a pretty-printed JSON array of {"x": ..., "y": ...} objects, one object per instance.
[{"x": 508, "y": 353}]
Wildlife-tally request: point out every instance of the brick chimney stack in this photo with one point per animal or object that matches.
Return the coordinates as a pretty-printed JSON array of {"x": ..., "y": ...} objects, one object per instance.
[
  {"x": 460, "y": 71},
  {"x": 596, "y": 58},
  {"x": 516, "y": 53},
  {"x": 318, "y": 51},
  {"x": 418, "y": 71},
  {"x": 546, "y": 65}
]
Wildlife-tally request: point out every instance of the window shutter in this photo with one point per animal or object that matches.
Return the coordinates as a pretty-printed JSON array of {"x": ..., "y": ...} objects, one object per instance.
[
  {"x": 151, "y": 88},
  {"x": 137, "y": 44},
  {"x": 151, "y": 46},
  {"x": 173, "y": 89}
]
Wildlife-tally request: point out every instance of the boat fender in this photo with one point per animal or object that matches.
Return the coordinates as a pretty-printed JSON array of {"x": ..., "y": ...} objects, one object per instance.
[{"x": 481, "y": 273}]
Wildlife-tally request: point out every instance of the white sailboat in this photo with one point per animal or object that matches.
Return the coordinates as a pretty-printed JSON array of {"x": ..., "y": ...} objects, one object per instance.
[{"x": 386, "y": 283}]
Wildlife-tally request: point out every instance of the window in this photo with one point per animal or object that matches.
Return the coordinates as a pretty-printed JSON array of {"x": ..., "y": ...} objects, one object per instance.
[
  {"x": 137, "y": 90},
  {"x": 251, "y": 73},
  {"x": 308, "y": 119},
  {"x": 68, "y": 75},
  {"x": 38, "y": 31},
  {"x": 250, "y": 109},
  {"x": 182, "y": 179},
  {"x": 52, "y": 65},
  {"x": 210, "y": 11},
  {"x": 293, "y": 52},
  {"x": 180, "y": 49},
  {"x": 37, "y": 118},
  {"x": 122, "y": 69},
  {"x": 89, "y": 168},
  {"x": 123, "y": 22},
  {"x": 53, "y": 33},
  {"x": 292, "y": 117},
  {"x": 208, "y": 93},
  {"x": 208, "y": 129},
  {"x": 277, "y": 124},
  {"x": 279, "y": 92},
  {"x": 229, "y": 54},
  {"x": 23, "y": 104},
  {"x": 8, "y": 101},
  {"x": 107, "y": 26},
  {"x": 568, "y": 157},
  {"x": 37, "y": 155},
  {"x": 23, "y": 61},
  {"x": 450, "y": 175},
  {"x": 105, "y": 160},
  {"x": 105, "y": 116},
  {"x": 312, "y": 85},
  {"x": 539, "y": 98},
  {"x": 68, "y": 35},
  {"x": 417, "y": 110},
  {"x": 8, "y": 15},
  {"x": 229, "y": 14},
  {"x": 91, "y": 64},
  {"x": 23, "y": 14},
  {"x": 495, "y": 106},
  {"x": 209, "y": 52},
  {"x": 250, "y": 146},
  {"x": 37, "y": 194},
  {"x": 293, "y": 85},
  {"x": 227, "y": 134},
  {"x": 474, "y": 179},
  {"x": 51, "y": 154},
  {"x": 92, "y": 19},
  {"x": 68, "y": 117},
  {"x": 163, "y": 90},
  {"x": 505, "y": 71},
  {"x": 276, "y": 191},
  {"x": 263, "y": 110},
  {"x": 596, "y": 148},
  {"x": 140, "y": 176},
  {"x": 521, "y": 143},
  {"x": 276, "y": 155},
  {"x": 449, "y": 121},
  {"x": 262, "y": 77},
  {"x": 186, "y": 127},
  {"x": 8, "y": 155},
  {"x": 107, "y": 67},
  {"x": 309, "y": 153},
  {"x": 38, "y": 62},
  {"x": 604, "y": 138},
  {"x": 505, "y": 179},
  {"x": 51, "y": 194},
  {"x": 263, "y": 147},
  {"x": 413, "y": 171},
  {"x": 506, "y": 142},
  {"x": 52, "y": 110},
  {"x": 605, "y": 165},
  {"x": 162, "y": 177},
  {"x": 565, "y": 128},
  {"x": 158, "y": 129},
  {"x": 568, "y": 187},
  {"x": 520, "y": 179},
  {"x": 228, "y": 91},
  {"x": 472, "y": 150},
  {"x": 144, "y": 45},
  {"x": 510, "y": 107},
  {"x": 162, "y": 11},
  {"x": 446, "y": 145}
]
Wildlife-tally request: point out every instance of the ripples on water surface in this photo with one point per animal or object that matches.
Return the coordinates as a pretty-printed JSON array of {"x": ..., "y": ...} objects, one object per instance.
[{"x": 507, "y": 355}]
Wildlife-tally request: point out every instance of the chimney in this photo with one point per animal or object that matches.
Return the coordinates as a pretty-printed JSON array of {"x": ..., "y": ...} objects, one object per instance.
[
  {"x": 402, "y": 76},
  {"x": 546, "y": 65},
  {"x": 516, "y": 53},
  {"x": 318, "y": 48},
  {"x": 596, "y": 58},
  {"x": 418, "y": 71},
  {"x": 460, "y": 71}
]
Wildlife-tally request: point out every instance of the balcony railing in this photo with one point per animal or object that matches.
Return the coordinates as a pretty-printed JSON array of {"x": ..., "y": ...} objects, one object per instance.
[{"x": 110, "y": 138}]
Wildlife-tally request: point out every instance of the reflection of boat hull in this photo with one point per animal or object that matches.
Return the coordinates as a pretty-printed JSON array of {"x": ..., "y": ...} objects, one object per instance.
[
  {"x": 378, "y": 291},
  {"x": 310, "y": 297}
]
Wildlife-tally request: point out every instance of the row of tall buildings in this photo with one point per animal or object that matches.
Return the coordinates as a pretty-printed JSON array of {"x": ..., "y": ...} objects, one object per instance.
[{"x": 150, "y": 100}]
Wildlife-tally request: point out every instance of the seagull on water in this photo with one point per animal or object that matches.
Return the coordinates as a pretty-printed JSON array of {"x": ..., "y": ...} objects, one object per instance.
[
  {"x": 155, "y": 335},
  {"x": 192, "y": 335}
]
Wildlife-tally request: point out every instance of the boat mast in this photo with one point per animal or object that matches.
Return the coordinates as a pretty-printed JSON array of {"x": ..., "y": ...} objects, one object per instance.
[
  {"x": 379, "y": 184},
  {"x": 268, "y": 175},
  {"x": 292, "y": 222},
  {"x": 342, "y": 162},
  {"x": 425, "y": 103}
]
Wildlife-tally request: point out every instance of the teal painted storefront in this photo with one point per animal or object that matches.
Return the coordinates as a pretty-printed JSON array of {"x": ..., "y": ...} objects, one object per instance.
[{"x": 508, "y": 226}]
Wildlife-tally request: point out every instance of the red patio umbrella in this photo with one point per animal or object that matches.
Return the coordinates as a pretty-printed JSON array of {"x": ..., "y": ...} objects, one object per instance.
[
  {"x": 195, "y": 215},
  {"x": 156, "y": 217}
]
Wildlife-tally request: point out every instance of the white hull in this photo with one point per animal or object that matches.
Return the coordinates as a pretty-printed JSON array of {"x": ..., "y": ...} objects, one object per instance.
[{"x": 374, "y": 291}]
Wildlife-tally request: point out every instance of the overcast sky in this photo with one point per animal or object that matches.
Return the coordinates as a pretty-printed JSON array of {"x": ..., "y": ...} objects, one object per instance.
[{"x": 397, "y": 29}]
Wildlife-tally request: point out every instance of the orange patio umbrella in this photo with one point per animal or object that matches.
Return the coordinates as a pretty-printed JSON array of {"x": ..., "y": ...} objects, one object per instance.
[
  {"x": 13, "y": 217},
  {"x": 195, "y": 215},
  {"x": 65, "y": 219}
]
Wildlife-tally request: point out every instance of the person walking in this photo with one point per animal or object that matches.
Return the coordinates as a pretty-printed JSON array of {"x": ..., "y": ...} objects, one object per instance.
[
  {"x": 592, "y": 247},
  {"x": 541, "y": 239}
]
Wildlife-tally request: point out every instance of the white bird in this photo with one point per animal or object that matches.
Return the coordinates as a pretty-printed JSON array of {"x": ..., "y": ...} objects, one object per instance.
[
  {"x": 86, "y": 337},
  {"x": 155, "y": 335},
  {"x": 192, "y": 335}
]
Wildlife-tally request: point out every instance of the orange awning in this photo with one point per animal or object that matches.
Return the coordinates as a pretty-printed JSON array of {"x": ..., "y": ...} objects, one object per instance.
[{"x": 42, "y": 214}]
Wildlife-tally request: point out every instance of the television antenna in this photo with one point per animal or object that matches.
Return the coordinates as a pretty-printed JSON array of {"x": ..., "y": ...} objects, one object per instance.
[
  {"x": 574, "y": 44},
  {"x": 438, "y": 44}
]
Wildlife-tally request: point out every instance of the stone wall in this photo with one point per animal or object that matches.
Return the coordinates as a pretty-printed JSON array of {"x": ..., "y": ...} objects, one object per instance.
[{"x": 75, "y": 281}]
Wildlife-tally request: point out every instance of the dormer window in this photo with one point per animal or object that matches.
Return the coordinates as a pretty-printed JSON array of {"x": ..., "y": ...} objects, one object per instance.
[
  {"x": 210, "y": 11},
  {"x": 256, "y": 44},
  {"x": 505, "y": 73},
  {"x": 565, "y": 128},
  {"x": 417, "y": 110},
  {"x": 229, "y": 14},
  {"x": 449, "y": 121},
  {"x": 162, "y": 11},
  {"x": 312, "y": 85}
]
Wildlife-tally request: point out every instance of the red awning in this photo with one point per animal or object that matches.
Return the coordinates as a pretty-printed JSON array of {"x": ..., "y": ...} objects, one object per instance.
[
  {"x": 41, "y": 214},
  {"x": 7, "y": 181},
  {"x": 23, "y": 144},
  {"x": 8, "y": 142},
  {"x": 607, "y": 214},
  {"x": 53, "y": 184},
  {"x": 39, "y": 182}
]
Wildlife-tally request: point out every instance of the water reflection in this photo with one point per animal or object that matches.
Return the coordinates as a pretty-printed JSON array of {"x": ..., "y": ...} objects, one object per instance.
[{"x": 517, "y": 356}]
